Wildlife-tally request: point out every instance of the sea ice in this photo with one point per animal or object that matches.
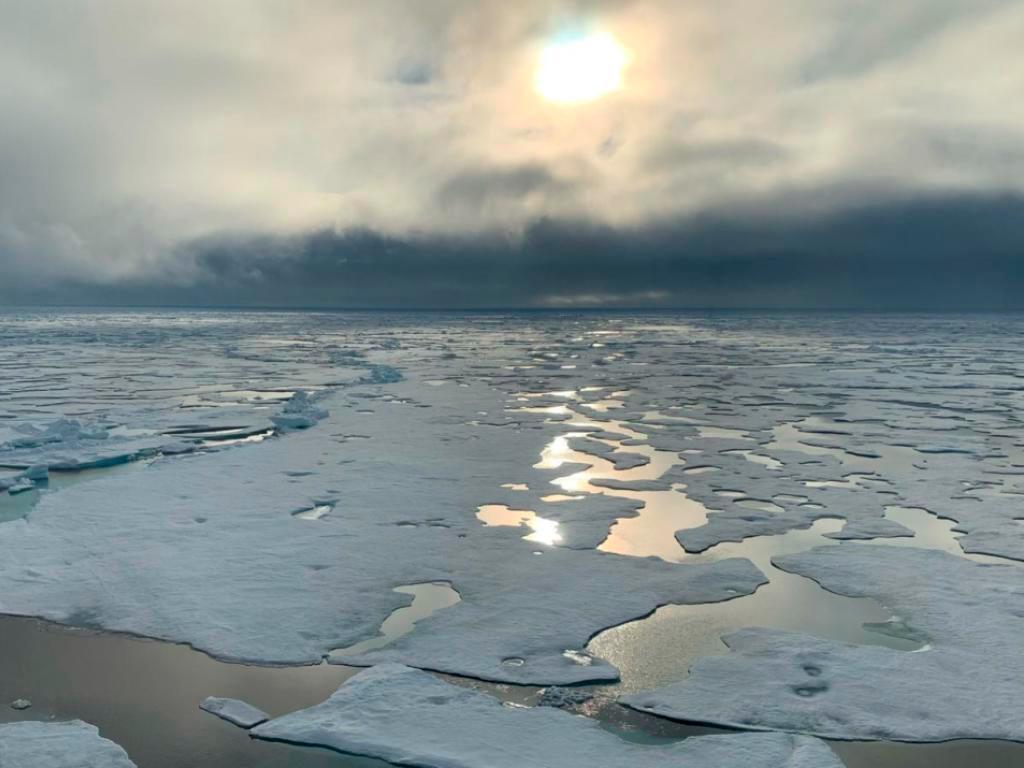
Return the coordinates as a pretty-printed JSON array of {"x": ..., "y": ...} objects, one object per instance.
[
  {"x": 71, "y": 744},
  {"x": 300, "y": 412},
  {"x": 967, "y": 684},
  {"x": 383, "y": 374},
  {"x": 801, "y": 420},
  {"x": 409, "y": 717},
  {"x": 212, "y": 541},
  {"x": 871, "y": 529}
]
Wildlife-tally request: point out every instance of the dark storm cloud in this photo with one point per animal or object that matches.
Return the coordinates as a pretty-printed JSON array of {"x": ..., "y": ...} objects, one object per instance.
[{"x": 948, "y": 253}]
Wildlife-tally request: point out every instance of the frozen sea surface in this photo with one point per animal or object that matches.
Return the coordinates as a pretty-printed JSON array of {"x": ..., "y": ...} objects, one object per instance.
[{"x": 602, "y": 497}]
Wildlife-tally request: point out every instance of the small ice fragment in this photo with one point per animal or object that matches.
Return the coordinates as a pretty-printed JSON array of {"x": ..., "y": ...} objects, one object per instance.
[
  {"x": 300, "y": 412},
  {"x": 22, "y": 485},
  {"x": 579, "y": 657},
  {"x": 313, "y": 513},
  {"x": 37, "y": 473},
  {"x": 383, "y": 374},
  {"x": 234, "y": 711},
  {"x": 21, "y": 704}
]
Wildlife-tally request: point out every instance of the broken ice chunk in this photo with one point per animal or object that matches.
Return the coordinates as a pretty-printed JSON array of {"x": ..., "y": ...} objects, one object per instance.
[
  {"x": 21, "y": 486},
  {"x": 410, "y": 717},
  {"x": 382, "y": 374},
  {"x": 36, "y": 473},
  {"x": 301, "y": 412},
  {"x": 234, "y": 711}
]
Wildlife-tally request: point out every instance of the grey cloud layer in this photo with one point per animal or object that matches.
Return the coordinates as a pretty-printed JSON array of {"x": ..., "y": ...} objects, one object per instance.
[
  {"x": 965, "y": 254},
  {"x": 179, "y": 151}
]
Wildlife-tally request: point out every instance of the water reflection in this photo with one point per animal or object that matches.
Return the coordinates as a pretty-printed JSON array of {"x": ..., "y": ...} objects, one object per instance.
[
  {"x": 933, "y": 532},
  {"x": 660, "y": 648},
  {"x": 145, "y": 696},
  {"x": 427, "y": 599},
  {"x": 111, "y": 680},
  {"x": 544, "y": 531}
]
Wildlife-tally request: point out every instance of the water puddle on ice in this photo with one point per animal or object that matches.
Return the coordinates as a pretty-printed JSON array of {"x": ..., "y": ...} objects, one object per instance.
[
  {"x": 932, "y": 532},
  {"x": 427, "y": 599},
  {"x": 789, "y": 437},
  {"x": 661, "y": 647},
  {"x": 544, "y": 531}
]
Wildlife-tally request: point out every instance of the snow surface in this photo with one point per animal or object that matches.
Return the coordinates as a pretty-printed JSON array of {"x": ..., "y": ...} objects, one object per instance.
[
  {"x": 409, "y": 717},
  {"x": 71, "y": 744}
]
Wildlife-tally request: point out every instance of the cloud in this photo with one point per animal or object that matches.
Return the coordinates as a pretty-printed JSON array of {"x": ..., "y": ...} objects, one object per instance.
[
  {"x": 942, "y": 253},
  {"x": 159, "y": 149},
  {"x": 478, "y": 190}
]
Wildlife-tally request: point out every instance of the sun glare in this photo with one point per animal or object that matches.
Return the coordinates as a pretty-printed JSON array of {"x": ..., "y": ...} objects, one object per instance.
[{"x": 581, "y": 69}]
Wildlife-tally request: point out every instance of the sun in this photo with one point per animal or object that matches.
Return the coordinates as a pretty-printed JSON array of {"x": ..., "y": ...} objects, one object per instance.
[{"x": 581, "y": 69}]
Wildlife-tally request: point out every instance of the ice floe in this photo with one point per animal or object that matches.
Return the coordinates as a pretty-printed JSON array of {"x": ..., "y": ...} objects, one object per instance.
[
  {"x": 409, "y": 717},
  {"x": 71, "y": 744},
  {"x": 236, "y": 712}
]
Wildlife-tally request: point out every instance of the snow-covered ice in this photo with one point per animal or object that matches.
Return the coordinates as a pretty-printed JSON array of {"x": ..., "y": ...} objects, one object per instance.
[
  {"x": 212, "y": 541},
  {"x": 409, "y": 717},
  {"x": 71, "y": 744},
  {"x": 206, "y": 470}
]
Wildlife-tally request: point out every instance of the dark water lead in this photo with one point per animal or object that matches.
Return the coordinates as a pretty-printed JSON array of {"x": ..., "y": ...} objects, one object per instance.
[{"x": 145, "y": 695}]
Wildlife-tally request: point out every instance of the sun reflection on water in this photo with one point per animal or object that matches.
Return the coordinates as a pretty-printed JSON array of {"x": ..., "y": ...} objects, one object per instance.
[{"x": 544, "y": 531}]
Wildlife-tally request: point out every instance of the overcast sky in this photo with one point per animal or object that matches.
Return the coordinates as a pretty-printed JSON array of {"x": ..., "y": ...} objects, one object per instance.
[{"x": 805, "y": 153}]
